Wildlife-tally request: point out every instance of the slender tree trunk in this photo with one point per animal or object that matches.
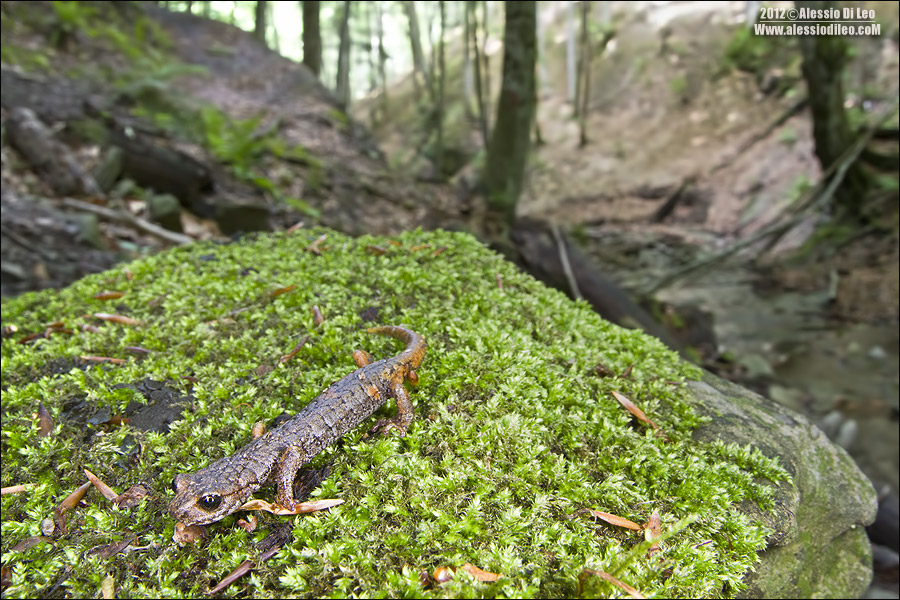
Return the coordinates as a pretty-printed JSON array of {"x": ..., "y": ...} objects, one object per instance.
[
  {"x": 468, "y": 84},
  {"x": 823, "y": 68},
  {"x": 432, "y": 57},
  {"x": 585, "y": 73},
  {"x": 510, "y": 142},
  {"x": 439, "y": 145},
  {"x": 231, "y": 18},
  {"x": 259, "y": 22},
  {"x": 207, "y": 9},
  {"x": 415, "y": 39},
  {"x": 382, "y": 58},
  {"x": 342, "y": 85},
  {"x": 571, "y": 75},
  {"x": 479, "y": 93},
  {"x": 312, "y": 38},
  {"x": 190, "y": 6},
  {"x": 487, "y": 64}
]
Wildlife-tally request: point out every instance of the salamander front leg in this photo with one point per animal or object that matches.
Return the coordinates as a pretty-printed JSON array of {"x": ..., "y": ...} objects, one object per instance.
[
  {"x": 402, "y": 420},
  {"x": 285, "y": 471}
]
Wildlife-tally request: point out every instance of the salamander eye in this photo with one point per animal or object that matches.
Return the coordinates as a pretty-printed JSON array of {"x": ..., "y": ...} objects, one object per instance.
[
  {"x": 174, "y": 486},
  {"x": 209, "y": 502}
]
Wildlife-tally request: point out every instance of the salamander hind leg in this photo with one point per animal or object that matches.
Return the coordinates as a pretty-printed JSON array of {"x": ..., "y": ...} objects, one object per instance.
[{"x": 402, "y": 420}]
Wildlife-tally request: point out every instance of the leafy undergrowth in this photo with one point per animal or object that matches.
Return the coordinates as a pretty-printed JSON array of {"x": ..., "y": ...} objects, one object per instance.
[{"x": 515, "y": 430}]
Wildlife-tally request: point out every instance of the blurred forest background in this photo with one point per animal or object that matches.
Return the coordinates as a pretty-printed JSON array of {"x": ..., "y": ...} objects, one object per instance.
[{"x": 732, "y": 193}]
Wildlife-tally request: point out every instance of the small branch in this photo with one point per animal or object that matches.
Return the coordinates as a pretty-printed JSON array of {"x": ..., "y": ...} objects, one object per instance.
[
  {"x": 564, "y": 260},
  {"x": 125, "y": 217}
]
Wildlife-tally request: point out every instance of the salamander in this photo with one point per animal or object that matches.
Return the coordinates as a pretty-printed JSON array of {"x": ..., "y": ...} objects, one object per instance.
[{"x": 222, "y": 488}]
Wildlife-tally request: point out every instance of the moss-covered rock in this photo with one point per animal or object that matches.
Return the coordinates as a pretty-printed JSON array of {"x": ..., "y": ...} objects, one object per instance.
[{"x": 516, "y": 430}]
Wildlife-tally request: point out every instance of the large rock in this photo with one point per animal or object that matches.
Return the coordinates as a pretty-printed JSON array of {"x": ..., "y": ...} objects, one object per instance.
[{"x": 818, "y": 546}]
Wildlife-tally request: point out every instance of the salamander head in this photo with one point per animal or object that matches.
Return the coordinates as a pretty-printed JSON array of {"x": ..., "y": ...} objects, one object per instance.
[{"x": 201, "y": 499}]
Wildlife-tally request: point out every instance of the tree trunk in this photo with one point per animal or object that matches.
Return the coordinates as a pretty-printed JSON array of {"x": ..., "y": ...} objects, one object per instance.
[
  {"x": 508, "y": 150},
  {"x": 479, "y": 92},
  {"x": 439, "y": 144},
  {"x": 585, "y": 73},
  {"x": 468, "y": 83},
  {"x": 823, "y": 68},
  {"x": 382, "y": 58},
  {"x": 415, "y": 39},
  {"x": 259, "y": 29},
  {"x": 571, "y": 75},
  {"x": 342, "y": 85},
  {"x": 312, "y": 38},
  {"x": 487, "y": 63}
]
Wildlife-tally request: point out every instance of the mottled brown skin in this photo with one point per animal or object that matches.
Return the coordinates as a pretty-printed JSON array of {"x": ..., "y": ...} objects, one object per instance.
[{"x": 222, "y": 488}]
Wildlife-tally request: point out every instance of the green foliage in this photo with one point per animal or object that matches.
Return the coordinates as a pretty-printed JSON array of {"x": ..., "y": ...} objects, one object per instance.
[
  {"x": 679, "y": 85},
  {"x": 753, "y": 53},
  {"x": 71, "y": 17},
  {"x": 340, "y": 118},
  {"x": 233, "y": 141},
  {"x": 787, "y": 136},
  {"x": 513, "y": 432}
]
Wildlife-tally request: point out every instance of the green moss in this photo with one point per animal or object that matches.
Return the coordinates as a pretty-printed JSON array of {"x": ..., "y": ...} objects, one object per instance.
[{"x": 513, "y": 432}]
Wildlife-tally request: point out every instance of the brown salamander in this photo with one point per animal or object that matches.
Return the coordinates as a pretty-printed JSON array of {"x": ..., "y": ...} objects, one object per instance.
[{"x": 221, "y": 488}]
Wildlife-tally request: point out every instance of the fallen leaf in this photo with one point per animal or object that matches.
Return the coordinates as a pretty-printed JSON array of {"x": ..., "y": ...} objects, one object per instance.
[
  {"x": 30, "y": 542},
  {"x": 109, "y": 550},
  {"x": 653, "y": 531},
  {"x": 57, "y": 525},
  {"x": 314, "y": 247},
  {"x": 45, "y": 421},
  {"x": 75, "y": 497},
  {"x": 607, "y": 577},
  {"x": 616, "y": 520},
  {"x": 137, "y": 350},
  {"x": 132, "y": 497},
  {"x": 295, "y": 350},
  {"x": 283, "y": 290},
  {"x": 16, "y": 489},
  {"x": 109, "y": 295},
  {"x": 104, "y": 489},
  {"x": 442, "y": 574},
  {"x": 121, "y": 319},
  {"x": 633, "y": 409},
  {"x": 482, "y": 576},
  {"x": 242, "y": 570},
  {"x": 109, "y": 359}
]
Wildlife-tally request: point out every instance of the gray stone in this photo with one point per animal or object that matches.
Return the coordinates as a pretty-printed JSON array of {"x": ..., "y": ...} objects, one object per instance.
[
  {"x": 818, "y": 547},
  {"x": 165, "y": 210}
]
